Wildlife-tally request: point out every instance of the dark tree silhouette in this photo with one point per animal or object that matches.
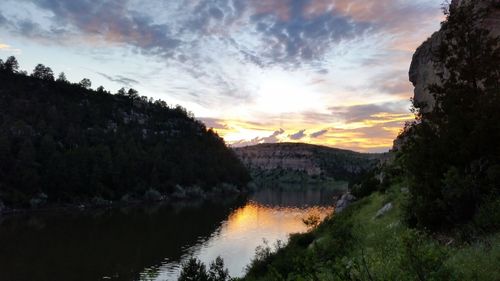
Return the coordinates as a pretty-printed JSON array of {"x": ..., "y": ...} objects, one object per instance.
[
  {"x": 73, "y": 144},
  {"x": 11, "y": 64},
  {"x": 62, "y": 77},
  {"x": 451, "y": 152},
  {"x": 43, "y": 72},
  {"x": 85, "y": 83}
]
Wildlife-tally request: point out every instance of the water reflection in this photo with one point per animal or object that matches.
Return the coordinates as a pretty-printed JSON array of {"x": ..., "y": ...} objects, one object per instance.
[
  {"x": 112, "y": 244},
  {"x": 269, "y": 214},
  {"x": 150, "y": 243}
]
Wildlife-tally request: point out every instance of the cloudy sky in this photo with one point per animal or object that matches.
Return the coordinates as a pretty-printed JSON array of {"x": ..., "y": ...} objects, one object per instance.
[{"x": 330, "y": 72}]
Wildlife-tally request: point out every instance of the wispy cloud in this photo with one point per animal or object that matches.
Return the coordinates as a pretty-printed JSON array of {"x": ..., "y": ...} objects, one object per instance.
[
  {"x": 9, "y": 49},
  {"x": 335, "y": 69},
  {"x": 125, "y": 81},
  {"x": 318, "y": 133},
  {"x": 298, "y": 136}
]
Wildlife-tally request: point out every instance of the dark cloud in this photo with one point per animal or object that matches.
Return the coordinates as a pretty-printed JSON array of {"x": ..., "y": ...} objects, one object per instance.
[
  {"x": 289, "y": 32},
  {"x": 214, "y": 123},
  {"x": 274, "y": 137},
  {"x": 297, "y": 136},
  {"x": 3, "y": 19},
  {"x": 359, "y": 113},
  {"x": 318, "y": 134},
  {"x": 112, "y": 21},
  {"x": 127, "y": 82},
  {"x": 293, "y": 36}
]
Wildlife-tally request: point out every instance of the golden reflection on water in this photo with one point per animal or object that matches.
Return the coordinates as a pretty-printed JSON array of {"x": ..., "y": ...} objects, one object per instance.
[
  {"x": 272, "y": 219},
  {"x": 247, "y": 227},
  {"x": 268, "y": 216}
]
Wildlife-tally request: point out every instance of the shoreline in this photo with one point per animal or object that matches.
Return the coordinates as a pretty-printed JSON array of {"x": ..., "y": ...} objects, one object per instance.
[{"x": 109, "y": 204}]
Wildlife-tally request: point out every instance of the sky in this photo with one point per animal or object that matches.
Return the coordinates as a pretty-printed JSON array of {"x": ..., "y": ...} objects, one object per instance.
[{"x": 329, "y": 72}]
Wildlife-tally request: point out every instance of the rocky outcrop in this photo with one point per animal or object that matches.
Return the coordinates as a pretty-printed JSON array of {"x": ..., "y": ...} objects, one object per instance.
[
  {"x": 423, "y": 71},
  {"x": 387, "y": 207},
  {"x": 345, "y": 200},
  {"x": 312, "y": 160},
  {"x": 269, "y": 157}
]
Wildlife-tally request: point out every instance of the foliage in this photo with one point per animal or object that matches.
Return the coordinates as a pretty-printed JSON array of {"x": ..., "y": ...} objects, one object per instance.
[
  {"x": 43, "y": 72},
  {"x": 311, "y": 221},
  {"x": 217, "y": 272},
  {"x": 195, "y": 270},
  {"x": 74, "y": 144},
  {"x": 422, "y": 259},
  {"x": 451, "y": 150},
  {"x": 10, "y": 65},
  {"x": 85, "y": 83},
  {"x": 62, "y": 77},
  {"x": 365, "y": 184},
  {"x": 353, "y": 245}
]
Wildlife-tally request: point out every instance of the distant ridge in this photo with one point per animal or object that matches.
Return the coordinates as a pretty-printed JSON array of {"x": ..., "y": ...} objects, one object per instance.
[{"x": 309, "y": 159}]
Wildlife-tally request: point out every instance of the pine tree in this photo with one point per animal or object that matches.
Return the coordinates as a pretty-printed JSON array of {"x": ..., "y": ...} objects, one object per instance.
[{"x": 451, "y": 149}]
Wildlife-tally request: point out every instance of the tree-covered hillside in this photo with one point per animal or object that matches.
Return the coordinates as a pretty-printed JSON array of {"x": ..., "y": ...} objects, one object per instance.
[{"x": 72, "y": 143}]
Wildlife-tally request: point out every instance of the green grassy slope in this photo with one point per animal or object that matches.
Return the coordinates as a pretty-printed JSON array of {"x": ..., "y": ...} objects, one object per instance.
[{"x": 354, "y": 245}]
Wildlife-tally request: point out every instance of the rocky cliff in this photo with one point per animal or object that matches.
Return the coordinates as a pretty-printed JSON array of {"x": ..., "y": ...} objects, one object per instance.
[
  {"x": 423, "y": 71},
  {"x": 312, "y": 160}
]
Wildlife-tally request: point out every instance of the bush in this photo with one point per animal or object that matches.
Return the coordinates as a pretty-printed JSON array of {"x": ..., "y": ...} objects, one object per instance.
[
  {"x": 195, "y": 270},
  {"x": 422, "y": 259}
]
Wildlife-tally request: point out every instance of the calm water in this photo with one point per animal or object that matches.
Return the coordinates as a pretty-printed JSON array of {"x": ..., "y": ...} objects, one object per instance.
[{"x": 150, "y": 243}]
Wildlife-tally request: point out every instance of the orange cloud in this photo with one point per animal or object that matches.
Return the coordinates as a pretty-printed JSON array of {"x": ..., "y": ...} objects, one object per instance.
[{"x": 374, "y": 133}]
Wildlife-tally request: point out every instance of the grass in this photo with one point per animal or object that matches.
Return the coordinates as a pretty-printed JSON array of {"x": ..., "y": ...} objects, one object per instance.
[{"x": 354, "y": 245}]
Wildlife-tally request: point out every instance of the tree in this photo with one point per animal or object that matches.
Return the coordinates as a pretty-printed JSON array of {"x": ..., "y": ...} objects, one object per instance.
[
  {"x": 122, "y": 92},
  {"x": 62, "y": 77},
  {"x": 85, "y": 83},
  {"x": 193, "y": 270},
  {"x": 11, "y": 64},
  {"x": 217, "y": 272},
  {"x": 132, "y": 93},
  {"x": 43, "y": 72},
  {"x": 100, "y": 90},
  {"x": 451, "y": 149}
]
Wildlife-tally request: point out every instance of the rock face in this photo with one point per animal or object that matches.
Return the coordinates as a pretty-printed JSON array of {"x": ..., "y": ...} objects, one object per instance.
[
  {"x": 269, "y": 157},
  {"x": 344, "y": 201},
  {"x": 423, "y": 71},
  {"x": 313, "y": 160},
  {"x": 387, "y": 207}
]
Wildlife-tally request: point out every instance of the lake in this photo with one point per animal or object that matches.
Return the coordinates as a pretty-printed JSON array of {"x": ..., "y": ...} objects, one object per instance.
[{"x": 150, "y": 243}]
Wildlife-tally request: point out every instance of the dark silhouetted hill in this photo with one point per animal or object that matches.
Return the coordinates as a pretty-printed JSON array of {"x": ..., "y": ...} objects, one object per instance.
[{"x": 63, "y": 142}]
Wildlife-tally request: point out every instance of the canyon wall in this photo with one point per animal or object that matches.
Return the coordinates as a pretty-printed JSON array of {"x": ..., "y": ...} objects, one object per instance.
[
  {"x": 313, "y": 160},
  {"x": 423, "y": 71}
]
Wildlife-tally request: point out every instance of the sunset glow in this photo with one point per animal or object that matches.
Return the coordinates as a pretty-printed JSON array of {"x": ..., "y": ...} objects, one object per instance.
[{"x": 331, "y": 72}]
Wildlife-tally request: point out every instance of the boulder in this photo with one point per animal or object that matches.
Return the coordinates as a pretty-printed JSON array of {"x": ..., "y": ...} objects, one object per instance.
[
  {"x": 101, "y": 202},
  {"x": 179, "y": 192},
  {"x": 39, "y": 200},
  {"x": 152, "y": 195},
  {"x": 387, "y": 207},
  {"x": 345, "y": 200}
]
